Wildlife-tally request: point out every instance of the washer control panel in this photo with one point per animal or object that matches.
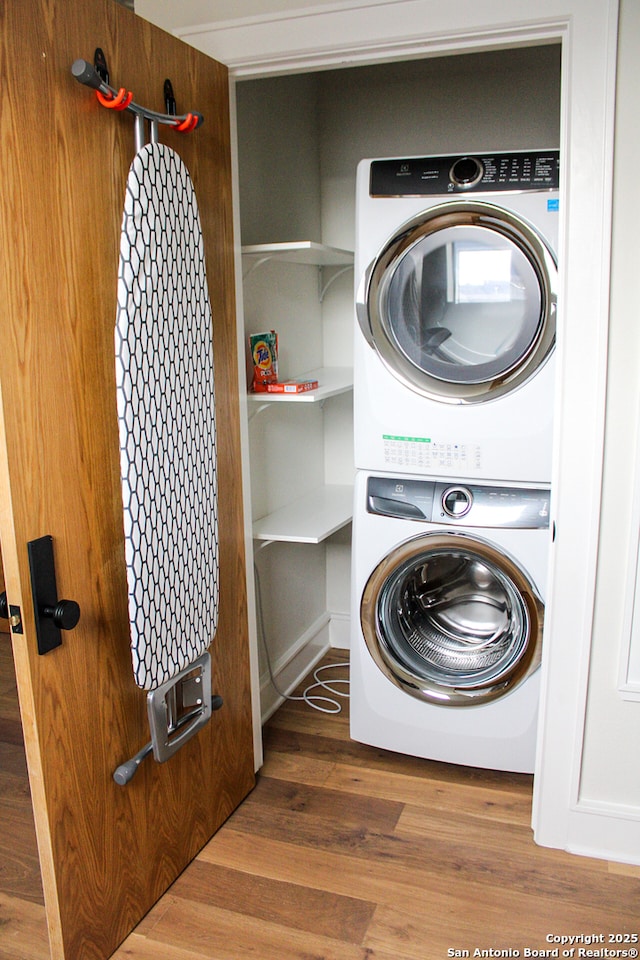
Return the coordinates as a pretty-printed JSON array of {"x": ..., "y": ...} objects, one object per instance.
[
  {"x": 477, "y": 173},
  {"x": 473, "y": 505}
]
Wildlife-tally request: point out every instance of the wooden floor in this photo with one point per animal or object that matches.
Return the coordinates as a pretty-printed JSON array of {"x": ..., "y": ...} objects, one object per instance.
[
  {"x": 23, "y": 933},
  {"x": 345, "y": 852}
]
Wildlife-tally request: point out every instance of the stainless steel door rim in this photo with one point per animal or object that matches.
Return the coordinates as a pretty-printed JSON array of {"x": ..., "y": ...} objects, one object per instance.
[
  {"x": 452, "y": 619},
  {"x": 461, "y": 344}
]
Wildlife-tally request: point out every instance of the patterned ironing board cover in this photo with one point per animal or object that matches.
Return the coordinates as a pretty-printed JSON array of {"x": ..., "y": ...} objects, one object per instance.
[{"x": 166, "y": 416}]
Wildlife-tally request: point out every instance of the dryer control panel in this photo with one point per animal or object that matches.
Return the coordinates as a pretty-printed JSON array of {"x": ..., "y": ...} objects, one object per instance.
[
  {"x": 470, "y": 173},
  {"x": 466, "y": 505}
]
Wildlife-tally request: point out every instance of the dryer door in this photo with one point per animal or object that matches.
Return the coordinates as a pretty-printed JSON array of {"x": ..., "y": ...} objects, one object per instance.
[
  {"x": 452, "y": 620},
  {"x": 461, "y": 302}
]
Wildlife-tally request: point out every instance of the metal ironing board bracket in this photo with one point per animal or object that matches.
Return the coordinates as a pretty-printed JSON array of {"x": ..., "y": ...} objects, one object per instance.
[
  {"x": 179, "y": 708},
  {"x": 176, "y": 710}
]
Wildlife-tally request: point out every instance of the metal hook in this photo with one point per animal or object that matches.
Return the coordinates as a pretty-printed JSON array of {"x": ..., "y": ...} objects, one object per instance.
[{"x": 86, "y": 74}]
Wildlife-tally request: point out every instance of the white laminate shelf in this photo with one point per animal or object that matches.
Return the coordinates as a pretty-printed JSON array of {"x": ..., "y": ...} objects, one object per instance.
[
  {"x": 332, "y": 381},
  {"x": 311, "y": 519},
  {"x": 303, "y": 251}
]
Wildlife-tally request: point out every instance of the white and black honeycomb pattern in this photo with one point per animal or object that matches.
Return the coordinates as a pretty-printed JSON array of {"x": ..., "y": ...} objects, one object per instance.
[{"x": 166, "y": 414}]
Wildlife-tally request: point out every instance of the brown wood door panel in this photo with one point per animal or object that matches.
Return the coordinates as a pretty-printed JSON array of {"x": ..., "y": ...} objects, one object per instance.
[{"x": 107, "y": 852}]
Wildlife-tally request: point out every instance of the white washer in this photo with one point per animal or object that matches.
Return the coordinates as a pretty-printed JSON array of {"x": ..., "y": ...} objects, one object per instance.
[
  {"x": 456, "y": 292},
  {"x": 448, "y": 608}
]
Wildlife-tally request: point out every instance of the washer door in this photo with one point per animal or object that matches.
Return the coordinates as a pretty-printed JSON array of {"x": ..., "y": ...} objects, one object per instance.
[
  {"x": 461, "y": 303},
  {"x": 452, "y": 620}
]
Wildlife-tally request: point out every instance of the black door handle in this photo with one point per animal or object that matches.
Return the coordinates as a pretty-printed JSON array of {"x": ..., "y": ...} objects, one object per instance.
[
  {"x": 51, "y": 615},
  {"x": 65, "y": 614}
]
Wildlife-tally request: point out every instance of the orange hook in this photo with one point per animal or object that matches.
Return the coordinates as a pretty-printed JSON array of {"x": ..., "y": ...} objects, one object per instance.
[
  {"x": 189, "y": 123},
  {"x": 120, "y": 102}
]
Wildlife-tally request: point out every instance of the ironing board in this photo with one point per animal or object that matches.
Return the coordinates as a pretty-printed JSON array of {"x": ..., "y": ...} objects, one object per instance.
[{"x": 166, "y": 416}]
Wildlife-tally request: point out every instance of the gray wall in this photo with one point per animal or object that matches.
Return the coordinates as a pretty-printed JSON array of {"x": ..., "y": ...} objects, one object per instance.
[{"x": 301, "y": 137}]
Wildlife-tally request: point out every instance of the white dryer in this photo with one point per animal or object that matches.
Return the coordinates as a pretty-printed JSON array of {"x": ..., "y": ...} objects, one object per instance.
[
  {"x": 456, "y": 294},
  {"x": 448, "y": 607}
]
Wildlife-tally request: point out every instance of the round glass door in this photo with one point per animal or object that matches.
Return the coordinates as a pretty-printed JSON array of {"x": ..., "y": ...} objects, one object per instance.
[
  {"x": 451, "y": 620},
  {"x": 461, "y": 303}
]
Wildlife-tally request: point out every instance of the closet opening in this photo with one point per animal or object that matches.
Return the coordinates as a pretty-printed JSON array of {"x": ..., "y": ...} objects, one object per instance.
[{"x": 300, "y": 139}]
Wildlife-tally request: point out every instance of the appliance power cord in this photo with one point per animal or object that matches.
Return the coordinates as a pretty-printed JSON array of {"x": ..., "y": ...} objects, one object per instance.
[{"x": 318, "y": 701}]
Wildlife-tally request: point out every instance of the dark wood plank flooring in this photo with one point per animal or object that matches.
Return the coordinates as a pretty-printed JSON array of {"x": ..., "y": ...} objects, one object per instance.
[
  {"x": 19, "y": 868},
  {"x": 23, "y": 931}
]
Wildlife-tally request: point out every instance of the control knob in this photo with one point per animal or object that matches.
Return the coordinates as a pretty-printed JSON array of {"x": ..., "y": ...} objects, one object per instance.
[
  {"x": 466, "y": 172},
  {"x": 456, "y": 502}
]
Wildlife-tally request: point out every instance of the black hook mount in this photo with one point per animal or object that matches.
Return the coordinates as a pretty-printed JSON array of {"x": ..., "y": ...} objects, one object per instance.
[{"x": 100, "y": 65}]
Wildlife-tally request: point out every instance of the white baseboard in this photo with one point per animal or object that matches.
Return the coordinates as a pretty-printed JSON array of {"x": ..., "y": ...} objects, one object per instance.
[
  {"x": 607, "y": 831},
  {"x": 330, "y": 631},
  {"x": 340, "y": 631},
  {"x": 610, "y": 831},
  {"x": 291, "y": 668}
]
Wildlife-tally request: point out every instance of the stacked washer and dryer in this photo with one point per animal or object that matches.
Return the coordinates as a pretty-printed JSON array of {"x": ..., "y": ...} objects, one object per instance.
[{"x": 456, "y": 280}]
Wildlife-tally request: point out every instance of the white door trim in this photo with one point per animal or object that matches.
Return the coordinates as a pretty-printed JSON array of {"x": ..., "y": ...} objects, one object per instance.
[{"x": 353, "y": 32}]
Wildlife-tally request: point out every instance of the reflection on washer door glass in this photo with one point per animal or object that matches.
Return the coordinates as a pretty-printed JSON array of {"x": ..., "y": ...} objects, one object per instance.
[
  {"x": 463, "y": 304},
  {"x": 453, "y": 619}
]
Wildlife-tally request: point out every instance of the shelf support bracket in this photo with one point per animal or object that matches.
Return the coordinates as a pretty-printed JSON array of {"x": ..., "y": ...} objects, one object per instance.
[
  {"x": 260, "y": 545},
  {"x": 255, "y": 264},
  {"x": 259, "y": 409},
  {"x": 322, "y": 286}
]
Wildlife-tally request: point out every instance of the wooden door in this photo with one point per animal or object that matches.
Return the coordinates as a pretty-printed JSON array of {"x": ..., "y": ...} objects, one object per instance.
[{"x": 107, "y": 852}]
